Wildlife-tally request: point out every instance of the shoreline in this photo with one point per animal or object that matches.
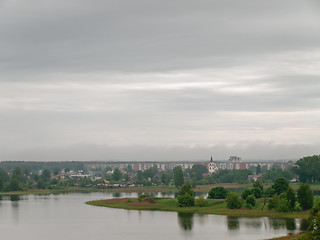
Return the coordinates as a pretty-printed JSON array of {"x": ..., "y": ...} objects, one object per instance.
[{"x": 217, "y": 207}]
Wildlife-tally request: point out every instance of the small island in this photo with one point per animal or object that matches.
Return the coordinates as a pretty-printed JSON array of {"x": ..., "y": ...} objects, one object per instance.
[
  {"x": 213, "y": 206},
  {"x": 279, "y": 198}
]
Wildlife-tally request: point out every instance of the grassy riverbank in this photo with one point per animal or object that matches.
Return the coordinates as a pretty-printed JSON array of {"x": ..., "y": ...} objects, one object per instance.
[{"x": 214, "y": 207}]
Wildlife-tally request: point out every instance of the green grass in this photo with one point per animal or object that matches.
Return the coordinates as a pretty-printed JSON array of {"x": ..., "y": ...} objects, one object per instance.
[{"x": 214, "y": 207}]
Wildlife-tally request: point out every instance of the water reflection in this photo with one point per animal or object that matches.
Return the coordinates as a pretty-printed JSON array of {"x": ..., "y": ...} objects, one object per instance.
[
  {"x": 14, "y": 197},
  {"x": 291, "y": 224},
  {"x": 116, "y": 194},
  {"x": 276, "y": 223},
  {"x": 185, "y": 220},
  {"x": 233, "y": 223},
  {"x": 254, "y": 224},
  {"x": 304, "y": 224}
]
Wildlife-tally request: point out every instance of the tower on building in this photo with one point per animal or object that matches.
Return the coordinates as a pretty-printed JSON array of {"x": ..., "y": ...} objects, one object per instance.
[{"x": 212, "y": 167}]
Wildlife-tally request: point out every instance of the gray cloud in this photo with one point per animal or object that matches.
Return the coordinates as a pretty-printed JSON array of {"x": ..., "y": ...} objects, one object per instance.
[
  {"x": 131, "y": 80},
  {"x": 145, "y": 36}
]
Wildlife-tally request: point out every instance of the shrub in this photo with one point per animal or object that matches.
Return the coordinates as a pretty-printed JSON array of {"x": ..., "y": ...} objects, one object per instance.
[
  {"x": 250, "y": 201},
  {"x": 291, "y": 197},
  {"x": 141, "y": 197},
  {"x": 252, "y": 191},
  {"x": 233, "y": 201},
  {"x": 217, "y": 193},
  {"x": 274, "y": 202},
  {"x": 201, "y": 202},
  {"x": 185, "y": 200},
  {"x": 283, "y": 206},
  {"x": 305, "y": 196},
  {"x": 313, "y": 231},
  {"x": 278, "y": 202}
]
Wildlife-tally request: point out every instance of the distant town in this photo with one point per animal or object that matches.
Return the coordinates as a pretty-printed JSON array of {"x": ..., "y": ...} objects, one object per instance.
[{"x": 21, "y": 175}]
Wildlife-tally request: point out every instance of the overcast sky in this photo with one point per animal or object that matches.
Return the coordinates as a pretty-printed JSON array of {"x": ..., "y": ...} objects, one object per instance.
[{"x": 159, "y": 80}]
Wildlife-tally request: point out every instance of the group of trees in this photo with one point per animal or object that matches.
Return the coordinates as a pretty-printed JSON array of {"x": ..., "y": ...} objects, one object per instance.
[
  {"x": 308, "y": 169},
  {"x": 279, "y": 196},
  {"x": 19, "y": 180}
]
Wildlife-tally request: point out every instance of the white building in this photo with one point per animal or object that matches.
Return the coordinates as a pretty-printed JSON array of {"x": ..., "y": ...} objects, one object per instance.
[{"x": 212, "y": 167}]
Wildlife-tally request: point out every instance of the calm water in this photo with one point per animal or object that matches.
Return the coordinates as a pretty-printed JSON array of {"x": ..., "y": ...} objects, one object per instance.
[{"x": 68, "y": 217}]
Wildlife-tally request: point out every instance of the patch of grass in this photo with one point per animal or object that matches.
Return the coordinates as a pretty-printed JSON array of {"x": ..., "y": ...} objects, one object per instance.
[{"x": 215, "y": 206}]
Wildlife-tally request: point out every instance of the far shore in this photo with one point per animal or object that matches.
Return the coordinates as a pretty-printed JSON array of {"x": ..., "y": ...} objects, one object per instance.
[{"x": 146, "y": 189}]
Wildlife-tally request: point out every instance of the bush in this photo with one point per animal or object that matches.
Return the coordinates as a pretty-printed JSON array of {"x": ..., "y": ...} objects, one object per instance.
[
  {"x": 233, "y": 201},
  {"x": 313, "y": 231},
  {"x": 141, "y": 197},
  {"x": 217, "y": 193},
  {"x": 305, "y": 196},
  {"x": 185, "y": 200},
  {"x": 252, "y": 191},
  {"x": 283, "y": 206},
  {"x": 250, "y": 201},
  {"x": 278, "y": 202},
  {"x": 201, "y": 202},
  {"x": 274, "y": 202},
  {"x": 291, "y": 197}
]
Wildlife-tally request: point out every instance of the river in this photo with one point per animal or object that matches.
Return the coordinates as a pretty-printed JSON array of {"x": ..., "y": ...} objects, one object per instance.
[{"x": 67, "y": 217}]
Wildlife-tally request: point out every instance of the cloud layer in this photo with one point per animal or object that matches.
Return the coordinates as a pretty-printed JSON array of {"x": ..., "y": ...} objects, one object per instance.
[{"x": 125, "y": 80}]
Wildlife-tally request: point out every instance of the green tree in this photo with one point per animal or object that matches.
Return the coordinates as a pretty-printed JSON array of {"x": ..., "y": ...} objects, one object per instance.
[
  {"x": 217, "y": 193},
  {"x": 269, "y": 192},
  {"x": 258, "y": 169},
  {"x": 17, "y": 173},
  {"x": 150, "y": 172},
  {"x": 126, "y": 177},
  {"x": 305, "y": 196},
  {"x": 313, "y": 232},
  {"x": 309, "y": 169},
  {"x": 280, "y": 186},
  {"x": 197, "y": 170},
  {"x": 291, "y": 197},
  {"x": 186, "y": 196},
  {"x": 116, "y": 175},
  {"x": 178, "y": 176},
  {"x": 251, "y": 191},
  {"x": 139, "y": 177},
  {"x": 46, "y": 175},
  {"x": 56, "y": 171},
  {"x": 233, "y": 201},
  {"x": 250, "y": 201},
  {"x": 258, "y": 184}
]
